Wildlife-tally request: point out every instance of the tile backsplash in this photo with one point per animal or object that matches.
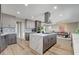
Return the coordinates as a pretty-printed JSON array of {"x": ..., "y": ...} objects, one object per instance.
[
  {"x": 13, "y": 30},
  {"x": 8, "y": 29},
  {"x": 28, "y": 30}
]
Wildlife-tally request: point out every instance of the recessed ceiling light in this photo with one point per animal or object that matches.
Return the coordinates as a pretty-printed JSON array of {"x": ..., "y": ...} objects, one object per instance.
[
  {"x": 26, "y": 4},
  {"x": 32, "y": 16},
  {"x": 55, "y": 7},
  {"x": 18, "y": 12},
  {"x": 60, "y": 15}
]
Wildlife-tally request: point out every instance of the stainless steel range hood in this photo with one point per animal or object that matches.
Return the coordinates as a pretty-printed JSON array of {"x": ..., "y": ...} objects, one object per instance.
[
  {"x": 47, "y": 16},
  {"x": 48, "y": 24}
]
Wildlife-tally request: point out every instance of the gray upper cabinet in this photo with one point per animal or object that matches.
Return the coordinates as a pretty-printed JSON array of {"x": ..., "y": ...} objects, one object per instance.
[{"x": 37, "y": 26}]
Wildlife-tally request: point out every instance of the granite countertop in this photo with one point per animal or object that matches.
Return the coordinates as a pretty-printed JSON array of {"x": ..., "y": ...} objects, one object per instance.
[
  {"x": 42, "y": 34},
  {"x": 7, "y": 33},
  {"x": 30, "y": 32}
]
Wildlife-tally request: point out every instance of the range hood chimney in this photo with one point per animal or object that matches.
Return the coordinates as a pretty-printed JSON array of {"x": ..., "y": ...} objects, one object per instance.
[
  {"x": 48, "y": 24},
  {"x": 47, "y": 16}
]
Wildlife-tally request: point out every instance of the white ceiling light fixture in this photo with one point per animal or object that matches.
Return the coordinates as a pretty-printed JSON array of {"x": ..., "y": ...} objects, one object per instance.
[
  {"x": 26, "y": 4},
  {"x": 32, "y": 17},
  {"x": 61, "y": 15},
  {"x": 18, "y": 12},
  {"x": 55, "y": 7}
]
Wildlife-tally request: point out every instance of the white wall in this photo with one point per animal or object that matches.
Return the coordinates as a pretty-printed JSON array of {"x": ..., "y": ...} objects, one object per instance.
[
  {"x": 69, "y": 27},
  {"x": 72, "y": 27}
]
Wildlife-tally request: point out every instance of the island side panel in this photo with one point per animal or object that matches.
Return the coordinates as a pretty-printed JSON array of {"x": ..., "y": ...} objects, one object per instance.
[{"x": 36, "y": 43}]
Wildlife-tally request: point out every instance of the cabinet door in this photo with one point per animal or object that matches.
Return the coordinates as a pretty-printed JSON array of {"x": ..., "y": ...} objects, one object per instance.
[
  {"x": 3, "y": 43},
  {"x": 45, "y": 43},
  {"x": 6, "y": 40},
  {"x": 51, "y": 40},
  {"x": 27, "y": 36},
  {"x": 54, "y": 38},
  {"x": 9, "y": 39},
  {"x": 13, "y": 39}
]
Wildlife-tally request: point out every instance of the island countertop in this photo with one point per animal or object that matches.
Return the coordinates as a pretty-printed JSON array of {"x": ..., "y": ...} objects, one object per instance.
[
  {"x": 8, "y": 33},
  {"x": 43, "y": 34}
]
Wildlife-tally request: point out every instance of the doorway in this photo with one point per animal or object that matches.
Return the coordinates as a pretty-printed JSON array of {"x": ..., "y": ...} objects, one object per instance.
[{"x": 19, "y": 29}]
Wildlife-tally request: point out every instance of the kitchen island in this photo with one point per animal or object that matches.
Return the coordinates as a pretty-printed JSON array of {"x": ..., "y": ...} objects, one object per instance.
[{"x": 40, "y": 42}]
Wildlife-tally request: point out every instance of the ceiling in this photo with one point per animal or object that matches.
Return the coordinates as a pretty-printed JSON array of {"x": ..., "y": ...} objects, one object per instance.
[{"x": 64, "y": 12}]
